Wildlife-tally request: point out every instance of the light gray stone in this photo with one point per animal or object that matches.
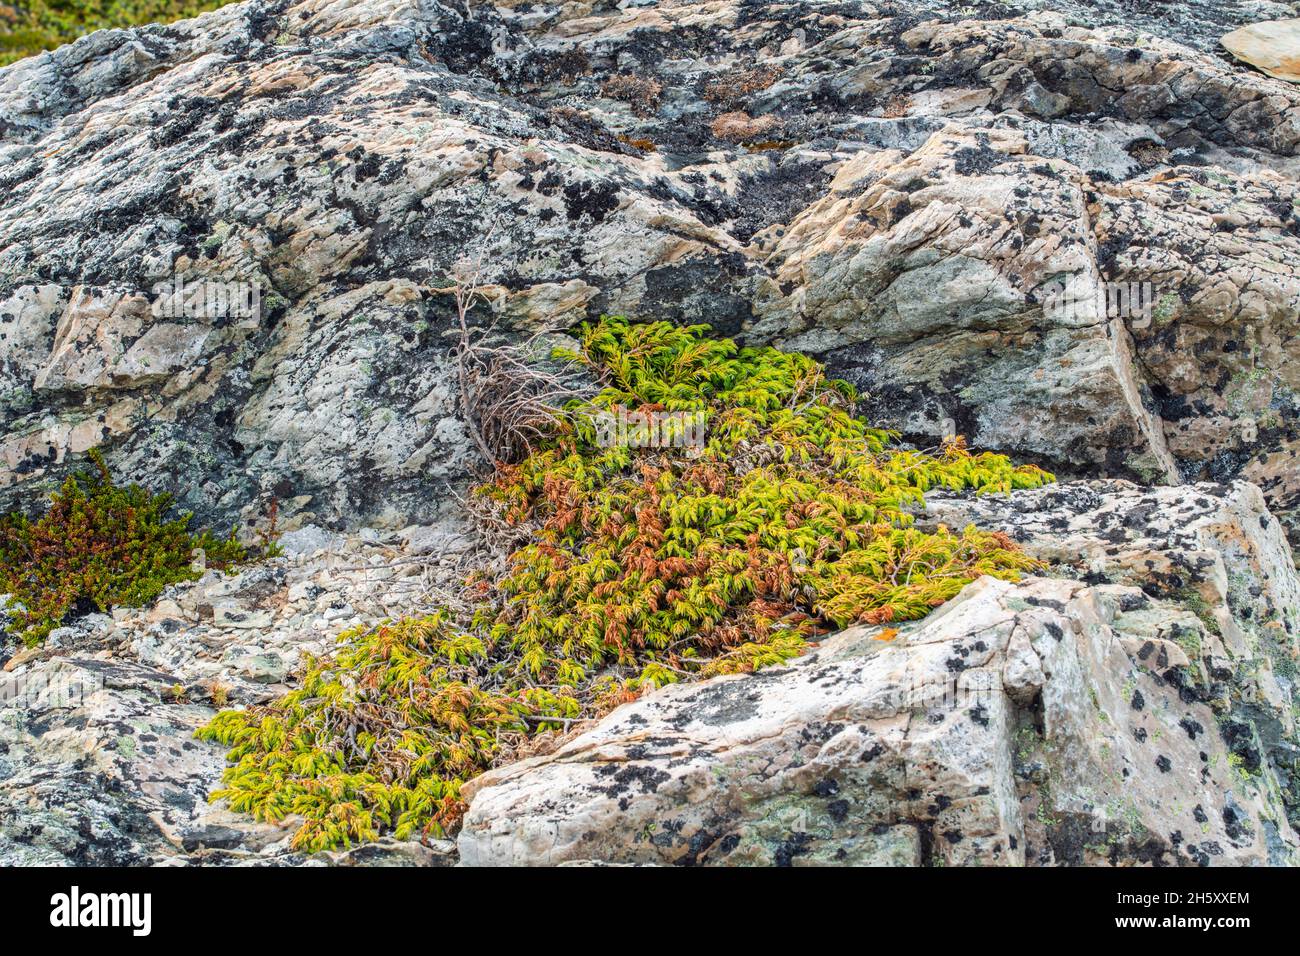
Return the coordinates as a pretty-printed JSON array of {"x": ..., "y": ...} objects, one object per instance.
[{"x": 308, "y": 540}]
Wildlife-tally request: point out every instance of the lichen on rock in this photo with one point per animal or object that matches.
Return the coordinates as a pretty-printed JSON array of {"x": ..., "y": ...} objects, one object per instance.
[
  {"x": 924, "y": 178},
  {"x": 1065, "y": 229}
]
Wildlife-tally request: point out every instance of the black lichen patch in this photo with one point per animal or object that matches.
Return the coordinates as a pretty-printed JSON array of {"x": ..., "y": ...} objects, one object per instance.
[
  {"x": 594, "y": 200},
  {"x": 1237, "y": 825},
  {"x": 700, "y": 289},
  {"x": 979, "y": 159},
  {"x": 795, "y": 845},
  {"x": 645, "y": 778}
]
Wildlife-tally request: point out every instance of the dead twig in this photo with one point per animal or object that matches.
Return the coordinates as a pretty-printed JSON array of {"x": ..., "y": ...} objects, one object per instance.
[{"x": 509, "y": 402}]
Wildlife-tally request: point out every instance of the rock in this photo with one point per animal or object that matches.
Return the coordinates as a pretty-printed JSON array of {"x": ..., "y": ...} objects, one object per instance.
[
  {"x": 1196, "y": 23},
  {"x": 1214, "y": 548},
  {"x": 1273, "y": 46},
  {"x": 1047, "y": 722},
  {"x": 925, "y": 187},
  {"x": 261, "y": 668},
  {"x": 59, "y": 637},
  {"x": 238, "y": 617},
  {"x": 21, "y": 657},
  {"x": 95, "y": 769},
  {"x": 1067, "y": 231},
  {"x": 423, "y": 539},
  {"x": 308, "y": 540},
  {"x": 912, "y": 752}
]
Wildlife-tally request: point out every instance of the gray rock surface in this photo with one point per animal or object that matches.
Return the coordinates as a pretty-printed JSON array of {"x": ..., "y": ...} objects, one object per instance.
[
  {"x": 896, "y": 188},
  {"x": 925, "y": 195}
]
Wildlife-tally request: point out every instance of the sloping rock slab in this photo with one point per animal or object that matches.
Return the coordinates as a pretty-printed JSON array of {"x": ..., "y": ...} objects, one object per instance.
[
  {"x": 1273, "y": 46},
  {"x": 1212, "y": 547},
  {"x": 1020, "y": 724}
]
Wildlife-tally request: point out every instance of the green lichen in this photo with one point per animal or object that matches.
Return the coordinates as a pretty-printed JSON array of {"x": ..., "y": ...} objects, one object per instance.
[
  {"x": 1194, "y": 601},
  {"x": 1165, "y": 308},
  {"x": 1189, "y": 639},
  {"x": 646, "y": 566}
]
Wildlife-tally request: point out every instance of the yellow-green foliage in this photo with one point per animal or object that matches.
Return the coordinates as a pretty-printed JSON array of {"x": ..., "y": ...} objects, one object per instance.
[
  {"x": 29, "y": 26},
  {"x": 98, "y": 546},
  {"x": 647, "y": 566},
  {"x": 379, "y": 737},
  {"x": 795, "y": 513}
]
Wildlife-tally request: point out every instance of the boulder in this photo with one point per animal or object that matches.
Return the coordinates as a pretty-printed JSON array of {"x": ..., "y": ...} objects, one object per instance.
[{"x": 1273, "y": 46}]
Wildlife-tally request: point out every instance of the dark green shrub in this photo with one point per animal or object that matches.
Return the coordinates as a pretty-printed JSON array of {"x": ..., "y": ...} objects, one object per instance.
[{"x": 98, "y": 546}]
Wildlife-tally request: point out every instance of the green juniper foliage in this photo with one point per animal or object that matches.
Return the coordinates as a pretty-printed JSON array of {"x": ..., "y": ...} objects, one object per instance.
[
  {"x": 96, "y": 547},
  {"x": 647, "y": 565},
  {"x": 378, "y": 738},
  {"x": 29, "y": 26}
]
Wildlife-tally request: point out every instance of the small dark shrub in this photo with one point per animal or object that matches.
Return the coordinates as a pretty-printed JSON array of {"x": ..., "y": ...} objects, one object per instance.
[{"x": 98, "y": 546}]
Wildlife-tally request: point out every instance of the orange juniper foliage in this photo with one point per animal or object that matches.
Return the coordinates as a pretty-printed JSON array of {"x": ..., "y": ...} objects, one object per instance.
[
  {"x": 794, "y": 516},
  {"x": 648, "y": 565}
]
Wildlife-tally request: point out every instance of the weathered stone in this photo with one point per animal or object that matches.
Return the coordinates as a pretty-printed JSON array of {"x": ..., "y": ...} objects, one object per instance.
[
  {"x": 928, "y": 184},
  {"x": 928, "y": 200},
  {"x": 98, "y": 764},
  {"x": 308, "y": 540},
  {"x": 1273, "y": 46}
]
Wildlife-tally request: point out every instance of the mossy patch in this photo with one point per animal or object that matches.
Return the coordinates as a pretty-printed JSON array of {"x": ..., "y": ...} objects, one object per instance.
[{"x": 647, "y": 563}]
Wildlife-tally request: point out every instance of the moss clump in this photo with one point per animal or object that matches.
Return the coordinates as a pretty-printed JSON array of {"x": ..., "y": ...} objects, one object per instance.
[
  {"x": 96, "y": 547},
  {"x": 29, "y": 26},
  {"x": 646, "y": 565}
]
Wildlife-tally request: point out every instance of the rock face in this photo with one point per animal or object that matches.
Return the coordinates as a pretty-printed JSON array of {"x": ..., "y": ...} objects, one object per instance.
[
  {"x": 1273, "y": 46},
  {"x": 1137, "y": 706},
  {"x": 1053, "y": 721},
  {"x": 929, "y": 202}
]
